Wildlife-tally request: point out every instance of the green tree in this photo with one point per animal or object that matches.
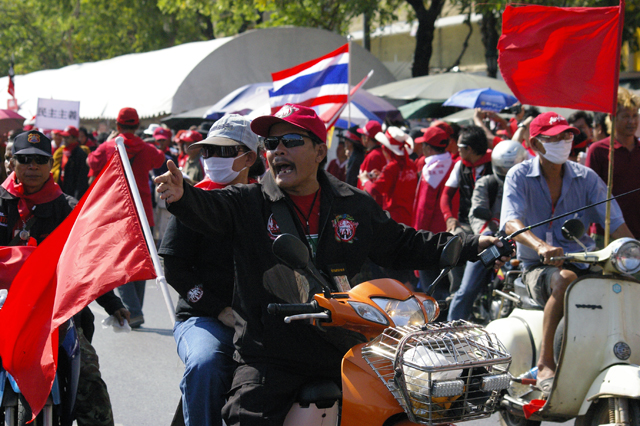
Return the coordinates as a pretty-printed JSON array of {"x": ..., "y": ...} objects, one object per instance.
[{"x": 45, "y": 34}]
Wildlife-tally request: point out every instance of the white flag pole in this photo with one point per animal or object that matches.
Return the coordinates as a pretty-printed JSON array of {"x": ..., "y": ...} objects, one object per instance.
[
  {"x": 160, "y": 280},
  {"x": 349, "y": 39}
]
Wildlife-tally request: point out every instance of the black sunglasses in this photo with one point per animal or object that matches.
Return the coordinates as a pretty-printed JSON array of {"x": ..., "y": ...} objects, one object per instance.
[
  {"x": 208, "y": 151},
  {"x": 290, "y": 140},
  {"x": 28, "y": 158}
]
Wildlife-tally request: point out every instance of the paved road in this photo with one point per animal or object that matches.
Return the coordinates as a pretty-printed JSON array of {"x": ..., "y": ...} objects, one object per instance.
[{"x": 143, "y": 371}]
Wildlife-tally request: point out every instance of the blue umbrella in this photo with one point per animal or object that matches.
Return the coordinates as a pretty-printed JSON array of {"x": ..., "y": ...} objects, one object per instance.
[{"x": 487, "y": 99}]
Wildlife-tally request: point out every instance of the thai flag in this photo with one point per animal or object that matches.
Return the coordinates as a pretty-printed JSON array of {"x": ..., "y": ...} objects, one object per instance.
[
  {"x": 11, "y": 90},
  {"x": 321, "y": 81}
]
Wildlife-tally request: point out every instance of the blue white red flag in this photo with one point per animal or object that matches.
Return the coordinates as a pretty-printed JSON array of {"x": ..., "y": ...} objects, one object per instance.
[{"x": 317, "y": 83}]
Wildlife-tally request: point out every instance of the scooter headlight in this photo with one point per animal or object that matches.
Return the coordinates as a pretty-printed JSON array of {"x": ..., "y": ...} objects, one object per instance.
[
  {"x": 626, "y": 256},
  {"x": 402, "y": 312},
  {"x": 369, "y": 313}
]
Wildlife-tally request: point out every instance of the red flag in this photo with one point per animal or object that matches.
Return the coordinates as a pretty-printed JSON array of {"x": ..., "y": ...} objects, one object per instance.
[
  {"x": 11, "y": 260},
  {"x": 565, "y": 57},
  {"x": 97, "y": 248}
]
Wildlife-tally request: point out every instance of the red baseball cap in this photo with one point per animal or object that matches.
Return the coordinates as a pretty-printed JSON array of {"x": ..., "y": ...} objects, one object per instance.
[
  {"x": 70, "y": 131},
  {"x": 298, "y": 115},
  {"x": 550, "y": 124},
  {"x": 434, "y": 136},
  {"x": 444, "y": 126},
  {"x": 190, "y": 136},
  {"x": 128, "y": 117},
  {"x": 162, "y": 133},
  {"x": 371, "y": 129}
]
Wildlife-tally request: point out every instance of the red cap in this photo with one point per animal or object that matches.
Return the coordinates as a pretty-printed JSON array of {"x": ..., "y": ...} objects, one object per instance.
[
  {"x": 371, "y": 129},
  {"x": 444, "y": 126},
  {"x": 298, "y": 115},
  {"x": 190, "y": 136},
  {"x": 550, "y": 124},
  {"x": 70, "y": 131},
  {"x": 162, "y": 133},
  {"x": 128, "y": 117},
  {"x": 434, "y": 136}
]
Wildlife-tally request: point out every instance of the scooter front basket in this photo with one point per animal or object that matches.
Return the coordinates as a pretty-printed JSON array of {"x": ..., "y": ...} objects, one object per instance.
[{"x": 441, "y": 373}]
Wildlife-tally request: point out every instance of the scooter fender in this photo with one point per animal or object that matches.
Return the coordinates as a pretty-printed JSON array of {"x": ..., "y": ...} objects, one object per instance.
[
  {"x": 520, "y": 333},
  {"x": 618, "y": 380},
  {"x": 365, "y": 399}
]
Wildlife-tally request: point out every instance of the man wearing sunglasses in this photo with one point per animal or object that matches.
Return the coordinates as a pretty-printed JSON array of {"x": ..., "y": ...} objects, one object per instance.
[
  {"x": 201, "y": 270},
  {"x": 538, "y": 189},
  {"x": 341, "y": 226}
]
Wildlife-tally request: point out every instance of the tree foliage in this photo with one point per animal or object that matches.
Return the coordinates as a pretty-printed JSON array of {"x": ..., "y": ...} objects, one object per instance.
[{"x": 45, "y": 34}]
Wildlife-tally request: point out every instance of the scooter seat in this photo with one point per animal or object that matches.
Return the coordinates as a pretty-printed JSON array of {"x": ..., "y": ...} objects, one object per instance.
[
  {"x": 321, "y": 393},
  {"x": 525, "y": 298}
]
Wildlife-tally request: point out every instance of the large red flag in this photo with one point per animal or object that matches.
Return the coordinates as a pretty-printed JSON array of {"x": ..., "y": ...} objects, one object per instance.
[
  {"x": 98, "y": 247},
  {"x": 562, "y": 56}
]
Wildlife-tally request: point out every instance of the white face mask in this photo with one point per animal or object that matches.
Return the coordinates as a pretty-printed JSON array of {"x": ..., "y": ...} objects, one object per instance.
[
  {"x": 220, "y": 170},
  {"x": 557, "y": 152}
]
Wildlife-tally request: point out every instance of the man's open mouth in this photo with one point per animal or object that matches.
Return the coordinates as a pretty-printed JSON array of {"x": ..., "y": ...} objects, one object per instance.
[{"x": 283, "y": 169}]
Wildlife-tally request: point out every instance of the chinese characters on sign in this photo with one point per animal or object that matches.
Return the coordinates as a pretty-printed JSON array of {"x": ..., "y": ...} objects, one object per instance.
[{"x": 56, "y": 114}]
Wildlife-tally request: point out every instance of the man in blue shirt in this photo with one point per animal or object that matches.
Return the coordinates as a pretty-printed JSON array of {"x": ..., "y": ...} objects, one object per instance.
[{"x": 536, "y": 190}]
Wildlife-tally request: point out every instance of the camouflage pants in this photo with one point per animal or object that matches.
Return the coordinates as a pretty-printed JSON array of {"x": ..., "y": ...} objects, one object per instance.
[{"x": 93, "y": 406}]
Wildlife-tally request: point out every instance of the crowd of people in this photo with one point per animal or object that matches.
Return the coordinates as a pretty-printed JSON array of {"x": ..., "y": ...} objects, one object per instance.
[{"x": 217, "y": 196}]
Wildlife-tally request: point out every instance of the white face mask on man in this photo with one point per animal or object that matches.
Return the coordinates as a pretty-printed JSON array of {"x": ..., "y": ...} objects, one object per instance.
[
  {"x": 220, "y": 170},
  {"x": 557, "y": 152}
]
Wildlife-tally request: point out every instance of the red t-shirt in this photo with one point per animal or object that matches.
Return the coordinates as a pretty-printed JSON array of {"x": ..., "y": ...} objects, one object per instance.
[
  {"x": 397, "y": 185},
  {"x": 307, "y": 208}
]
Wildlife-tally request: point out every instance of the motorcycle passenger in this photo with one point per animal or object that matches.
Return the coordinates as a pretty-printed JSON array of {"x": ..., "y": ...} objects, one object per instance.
[
  {"x": 342, "y": 225},
  {"x": 487, "y": 194},
  {"x": 536, "y": 190},
  {"x": 201, "y": 271},
  {"x": 32, "y": 205}
]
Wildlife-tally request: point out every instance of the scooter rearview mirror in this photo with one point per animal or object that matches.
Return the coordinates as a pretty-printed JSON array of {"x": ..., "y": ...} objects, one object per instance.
[
  {"x": 451, "y": 253},
  {"x": 291, "y": 251},
  {"x": 573, "y": 228}
]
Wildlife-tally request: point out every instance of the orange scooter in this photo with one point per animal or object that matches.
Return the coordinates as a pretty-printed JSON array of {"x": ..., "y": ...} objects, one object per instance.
[{"x": 410, "y": 371}]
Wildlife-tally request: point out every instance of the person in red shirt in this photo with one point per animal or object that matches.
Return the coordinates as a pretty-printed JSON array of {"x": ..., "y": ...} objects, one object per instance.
[
  {"x": 143, "y": 157},
  {"x": 626, "y": 158},
  {"x": 374, "y": 159},
  {"x": 396, "y": 182},
  {"x": 438, "y": 164}
]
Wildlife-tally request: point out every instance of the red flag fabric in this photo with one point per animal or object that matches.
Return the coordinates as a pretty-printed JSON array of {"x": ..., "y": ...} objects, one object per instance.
[
  {"x": 565, "y": 57},
  {"x": 11, "y": 260},
  {"x": 97, "y": 248},
  {"x": 11, "y": 90}
]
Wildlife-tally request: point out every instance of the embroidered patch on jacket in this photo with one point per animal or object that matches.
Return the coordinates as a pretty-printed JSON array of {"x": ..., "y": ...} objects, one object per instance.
[
  {"x": 345, "y": 228},
  {"x": 273, "y": 228},
  {"x": 4, "y": 221},
  {"x": 195, "y": 294}
]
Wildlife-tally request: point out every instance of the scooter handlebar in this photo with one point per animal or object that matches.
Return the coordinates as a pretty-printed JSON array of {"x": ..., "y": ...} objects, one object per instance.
[{"x": 293, "y": 308}]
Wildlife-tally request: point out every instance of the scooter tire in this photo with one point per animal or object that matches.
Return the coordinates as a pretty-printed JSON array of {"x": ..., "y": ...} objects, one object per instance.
[
  {"x": 508, "y": 419},
  {"x": 24, "y": 412},
  {"x": 598, "y": 413}
]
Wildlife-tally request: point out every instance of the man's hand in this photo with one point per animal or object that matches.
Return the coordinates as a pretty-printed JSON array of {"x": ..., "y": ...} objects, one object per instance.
[
  {"x": 170, "y": 184},
  {"x": 121, "y": 315},
  {"x": 486, "y": 241},
  {"x": 546, "y": 252},
  {"x": 452, "y": 224},
  {"x": 226, "y": 317}
]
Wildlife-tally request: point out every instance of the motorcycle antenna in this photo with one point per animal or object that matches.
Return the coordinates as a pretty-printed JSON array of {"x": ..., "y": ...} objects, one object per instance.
[
  {"x": 491, "y": 254},
  {"x": 520, "y": 231}
]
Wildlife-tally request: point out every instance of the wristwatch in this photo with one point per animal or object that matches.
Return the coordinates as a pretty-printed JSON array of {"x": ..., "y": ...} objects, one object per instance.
[{"x": 522, "y": 125}]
